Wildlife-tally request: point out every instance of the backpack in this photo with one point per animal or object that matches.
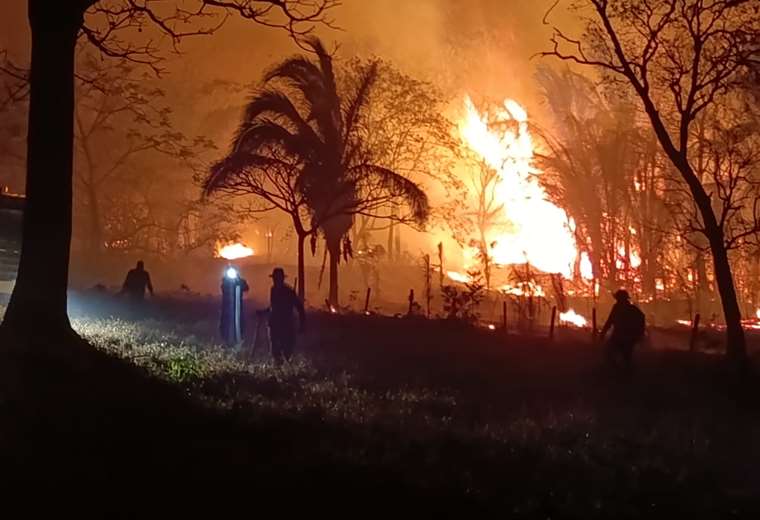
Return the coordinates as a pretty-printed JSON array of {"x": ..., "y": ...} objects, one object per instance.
[{"x": 636, "y": 320}]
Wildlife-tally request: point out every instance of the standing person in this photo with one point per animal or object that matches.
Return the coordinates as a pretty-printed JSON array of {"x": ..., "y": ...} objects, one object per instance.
[
  {"x": 232, "y": 322},
  {"x": 283, "y": 301},
  {"x": 137, "y": 280},
  {"x": 628, "y": 325}
]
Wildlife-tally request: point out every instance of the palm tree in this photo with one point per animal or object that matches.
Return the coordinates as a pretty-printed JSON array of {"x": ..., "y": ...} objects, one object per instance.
[{"x": 301, "y": 111}]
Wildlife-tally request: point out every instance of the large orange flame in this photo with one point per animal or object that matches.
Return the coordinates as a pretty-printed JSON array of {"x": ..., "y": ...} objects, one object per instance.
[{"x": 532, "y": 228}]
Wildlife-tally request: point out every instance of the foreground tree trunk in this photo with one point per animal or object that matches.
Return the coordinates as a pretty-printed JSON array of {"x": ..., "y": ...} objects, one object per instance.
[
  {"x": 735, "y": 340},
  {"x": 38, "y": 303},
  {"x": 736, "y": 345}
]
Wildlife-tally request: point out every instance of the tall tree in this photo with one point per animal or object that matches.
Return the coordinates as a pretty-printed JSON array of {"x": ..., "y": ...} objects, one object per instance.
[
  {"x": 601, "y": 169},
  {"x": 407, "y": 132},
  {"x": 118, "y": 117},
  {"x": 301, "y": 110},
  {"x": 273, "y": 180},
  {"x": 680, "y": 57},
  {"x": 39, "y": 303}
]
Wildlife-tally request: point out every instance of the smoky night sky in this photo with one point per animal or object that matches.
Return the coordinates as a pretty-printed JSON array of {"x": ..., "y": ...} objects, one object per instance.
[{"x": 481, "y": 45}]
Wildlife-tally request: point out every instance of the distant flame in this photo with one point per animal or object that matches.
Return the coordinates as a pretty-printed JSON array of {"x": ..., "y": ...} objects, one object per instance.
[
  {"x": 757, "y": 314},
  {"x": 687, "y": 323},
  {"x": 587, "y": 269},
  {"x": 459, "y": 277},
  {"x": 573, "y": 318},
  {"x": 523, "y": 289},
  {"x": 233, "y": 251},
  {"x": 634, "y": 259}
]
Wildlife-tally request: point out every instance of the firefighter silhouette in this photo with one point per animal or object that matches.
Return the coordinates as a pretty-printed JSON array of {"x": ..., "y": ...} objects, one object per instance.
[{"x": 283, "y": 302}]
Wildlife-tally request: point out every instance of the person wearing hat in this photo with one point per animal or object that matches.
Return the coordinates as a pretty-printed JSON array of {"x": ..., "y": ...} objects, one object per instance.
[
  {"x": 628, "y": 325},
  {"x": 282, "y": 302}
]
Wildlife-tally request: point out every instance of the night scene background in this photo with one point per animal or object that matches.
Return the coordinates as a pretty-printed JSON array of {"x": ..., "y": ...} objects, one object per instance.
[{"x": 432, "y": 257}]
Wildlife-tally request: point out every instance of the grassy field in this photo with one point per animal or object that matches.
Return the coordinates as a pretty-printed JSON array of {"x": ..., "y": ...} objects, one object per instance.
[{"x": 387, "y": 411}]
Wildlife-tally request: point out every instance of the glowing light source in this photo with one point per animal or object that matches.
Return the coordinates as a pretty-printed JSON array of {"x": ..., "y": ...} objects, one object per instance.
[
  {"x": 233, "y": 251},
  {"x": 231, "y": 273},
  {"x": 491, "y": 326}
]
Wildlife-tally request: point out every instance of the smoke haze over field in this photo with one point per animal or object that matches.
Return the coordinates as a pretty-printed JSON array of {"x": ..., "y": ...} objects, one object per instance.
[{"x": 480, "y": 45}]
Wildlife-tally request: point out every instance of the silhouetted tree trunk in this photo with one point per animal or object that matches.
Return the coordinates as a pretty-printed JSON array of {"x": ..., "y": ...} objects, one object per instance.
[
  {"x": 301, "y": 268},
  {"x": 702, "y": 288},
  {"x": 736, "y": 342},
  {"x": 391, "y": 229},
  {"x": 333, "y": 248},
  {"x": 38, "y": 303}
]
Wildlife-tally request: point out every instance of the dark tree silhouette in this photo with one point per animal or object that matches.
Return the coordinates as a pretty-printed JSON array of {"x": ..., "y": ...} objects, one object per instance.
[
  {"x": 301, "y": 110},
  {"x": 38, "y": 305},
  {"x": 681, "y": 57},
  {"x": 273, "y": 179}
]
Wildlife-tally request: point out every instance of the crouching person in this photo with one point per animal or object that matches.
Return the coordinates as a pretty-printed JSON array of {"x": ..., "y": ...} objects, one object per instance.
[{"x": 282, "y": 331}]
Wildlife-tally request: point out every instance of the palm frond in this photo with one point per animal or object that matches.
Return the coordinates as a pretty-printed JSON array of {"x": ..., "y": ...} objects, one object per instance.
[
  {"x": 379, "y": 180},
  {"x": 251, "y": 137},
  {"x": 325, "y": 62},
  {"x": 298, "y": 71},
  {"x": 276, "y": 106},
  {"x": 359, "y": 99}
]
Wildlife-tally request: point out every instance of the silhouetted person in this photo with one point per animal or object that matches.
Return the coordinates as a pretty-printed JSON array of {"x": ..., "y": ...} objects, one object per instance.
[
  {"x": 136, "y": 282},
  {"x": 232, "y": 323},
  {"x": 628, "y": 325},
  {"x": 283, "y": 302}
]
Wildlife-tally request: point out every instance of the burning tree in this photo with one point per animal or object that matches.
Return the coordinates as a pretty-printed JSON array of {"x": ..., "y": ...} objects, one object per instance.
[
  {"x": 604, "y": 170},
  {"x": 509, "y": 212},
  {"x": 301, "y": 111},
  {"x": 404, "y": 128},
  {"x": 680, "y": 57},
  {"x": 123, "y": 29}
]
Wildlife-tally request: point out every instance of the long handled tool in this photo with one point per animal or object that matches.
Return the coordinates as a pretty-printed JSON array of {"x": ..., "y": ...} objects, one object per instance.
[{"x": 262, "y": 330}]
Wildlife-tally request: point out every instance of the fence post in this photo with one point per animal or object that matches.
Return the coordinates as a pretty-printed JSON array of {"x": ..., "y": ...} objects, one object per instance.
[
  {"x": 694, "y": 332},
  {"x": 504, "y": 315},
  {"x": 551, "y": 325},
  {"x": 366, "y": 300}
]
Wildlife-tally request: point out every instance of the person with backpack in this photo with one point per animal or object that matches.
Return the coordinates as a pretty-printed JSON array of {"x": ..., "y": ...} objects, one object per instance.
[{"x": 628, "y": 326}]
